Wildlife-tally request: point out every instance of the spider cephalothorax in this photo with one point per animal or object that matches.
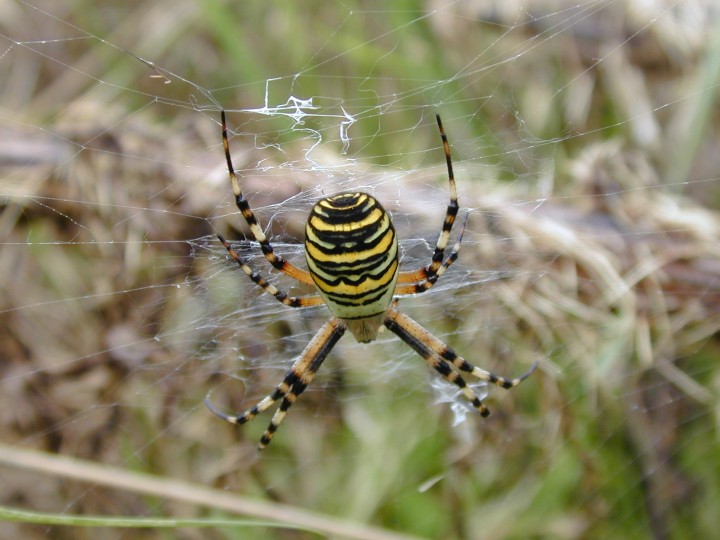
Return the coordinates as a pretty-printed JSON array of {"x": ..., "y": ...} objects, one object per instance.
[{"x": 352, "y": 255}]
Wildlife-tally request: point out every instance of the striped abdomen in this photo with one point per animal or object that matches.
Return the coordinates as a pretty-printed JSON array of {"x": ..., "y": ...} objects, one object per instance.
[{"x": 352, "y": 254}]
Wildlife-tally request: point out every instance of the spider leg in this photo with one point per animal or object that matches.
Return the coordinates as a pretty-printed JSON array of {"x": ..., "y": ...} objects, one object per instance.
[
  {"x": 241, "y": 202},
  {"x": 297, "y": 378},
  {"x": 280, "y": 296},
  {"x": 452, "y": 208},
  {"x": 441, "y": 357},
  {"x": 426, "y": 283},
  {"x": 430, "y": 271}
]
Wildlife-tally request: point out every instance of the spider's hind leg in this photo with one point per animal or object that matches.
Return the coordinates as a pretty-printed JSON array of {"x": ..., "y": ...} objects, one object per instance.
[{"x": 244, "y": 206}]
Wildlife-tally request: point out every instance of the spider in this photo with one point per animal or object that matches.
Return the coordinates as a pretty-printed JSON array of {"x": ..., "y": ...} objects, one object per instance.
[{"x": 352, "y": 256}]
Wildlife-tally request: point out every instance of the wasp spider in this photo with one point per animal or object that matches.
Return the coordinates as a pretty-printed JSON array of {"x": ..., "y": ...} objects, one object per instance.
[{"x": 352, "y": 255}]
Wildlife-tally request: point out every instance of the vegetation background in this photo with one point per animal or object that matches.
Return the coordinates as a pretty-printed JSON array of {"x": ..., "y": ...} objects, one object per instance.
[{"x": 585, "y": 142}]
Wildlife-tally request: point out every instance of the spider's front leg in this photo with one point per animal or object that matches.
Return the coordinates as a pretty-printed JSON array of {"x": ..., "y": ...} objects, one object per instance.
[
  {"x": 441, "y": 357},
  {"x": 297, "y": 378}
]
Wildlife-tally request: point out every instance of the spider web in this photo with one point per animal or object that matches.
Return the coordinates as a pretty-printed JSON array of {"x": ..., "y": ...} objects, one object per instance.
[{"x": 585, "y": 157}]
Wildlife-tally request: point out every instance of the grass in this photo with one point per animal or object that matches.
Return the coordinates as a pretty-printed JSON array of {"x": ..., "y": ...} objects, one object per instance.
[{"x": 590, "y": 246}]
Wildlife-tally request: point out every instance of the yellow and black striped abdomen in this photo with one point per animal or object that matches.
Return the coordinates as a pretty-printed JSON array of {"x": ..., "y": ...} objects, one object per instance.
[{"x": 352, "y": 254}]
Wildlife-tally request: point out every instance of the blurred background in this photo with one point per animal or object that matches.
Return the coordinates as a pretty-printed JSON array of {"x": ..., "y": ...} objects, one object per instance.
[{"x": 585, "y": 148}]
